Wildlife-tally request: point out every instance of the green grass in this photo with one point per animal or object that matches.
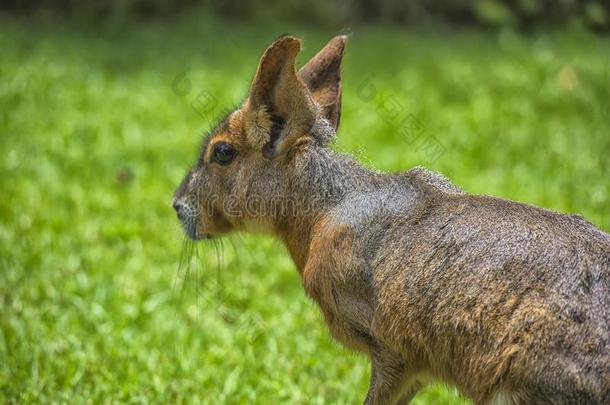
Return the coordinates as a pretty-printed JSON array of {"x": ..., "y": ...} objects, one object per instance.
[{"x": 97, "y": 128}]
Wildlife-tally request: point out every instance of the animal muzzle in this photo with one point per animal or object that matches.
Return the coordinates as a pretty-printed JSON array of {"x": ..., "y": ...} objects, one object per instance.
[{"x": 187, "y": 215}]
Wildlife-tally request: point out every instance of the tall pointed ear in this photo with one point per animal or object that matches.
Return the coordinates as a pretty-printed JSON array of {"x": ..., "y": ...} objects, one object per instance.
[
  {"x": 322, "y": 76},
  {"x": 279, "y": 108}
]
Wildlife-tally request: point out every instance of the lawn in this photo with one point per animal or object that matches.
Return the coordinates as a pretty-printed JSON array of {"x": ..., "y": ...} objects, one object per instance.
[{"x": 99, "y": 122}]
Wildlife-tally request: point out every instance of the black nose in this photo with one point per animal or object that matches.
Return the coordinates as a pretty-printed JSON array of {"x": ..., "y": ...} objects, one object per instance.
[{"x": 178, "y": 207}]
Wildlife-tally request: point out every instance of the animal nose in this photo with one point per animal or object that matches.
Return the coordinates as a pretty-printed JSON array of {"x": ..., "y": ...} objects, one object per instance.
[{"x": 178, "y": 207}]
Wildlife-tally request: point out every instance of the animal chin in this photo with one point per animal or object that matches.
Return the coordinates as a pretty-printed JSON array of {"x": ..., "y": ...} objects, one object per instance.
[
  {"x": 203, "y": 236},
  {"x": 190, "y": 228}
]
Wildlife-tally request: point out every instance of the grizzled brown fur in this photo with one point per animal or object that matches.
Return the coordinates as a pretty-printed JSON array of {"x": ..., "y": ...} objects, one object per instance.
[{"x": 508, "y": 302}]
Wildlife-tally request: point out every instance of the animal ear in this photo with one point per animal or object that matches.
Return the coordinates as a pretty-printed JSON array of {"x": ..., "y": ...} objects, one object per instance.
[
  {"x": 322, "y": 76},
  {"x": 279, "y": 108}
]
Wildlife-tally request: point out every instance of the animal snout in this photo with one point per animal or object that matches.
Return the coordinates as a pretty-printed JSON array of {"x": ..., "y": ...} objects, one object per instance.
[{"x": 179, "y": 207}]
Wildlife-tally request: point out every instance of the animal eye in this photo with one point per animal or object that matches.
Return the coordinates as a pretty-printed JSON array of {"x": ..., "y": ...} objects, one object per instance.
[{"x": 224, "y": 153}]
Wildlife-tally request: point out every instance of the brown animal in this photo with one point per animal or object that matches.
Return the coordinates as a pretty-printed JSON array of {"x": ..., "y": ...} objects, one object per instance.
[{"x": 506, "y": 301}]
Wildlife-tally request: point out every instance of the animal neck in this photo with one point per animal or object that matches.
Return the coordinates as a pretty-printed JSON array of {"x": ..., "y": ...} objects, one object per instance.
[{"x": 320, "y": 179}]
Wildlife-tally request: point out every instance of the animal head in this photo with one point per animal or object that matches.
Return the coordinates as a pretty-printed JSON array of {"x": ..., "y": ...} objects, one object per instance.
[{"x": 247, "y": 163}]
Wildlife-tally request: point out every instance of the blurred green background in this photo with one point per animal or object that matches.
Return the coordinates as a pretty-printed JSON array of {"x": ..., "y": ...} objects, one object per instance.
[{"x": 102, "y": 111}]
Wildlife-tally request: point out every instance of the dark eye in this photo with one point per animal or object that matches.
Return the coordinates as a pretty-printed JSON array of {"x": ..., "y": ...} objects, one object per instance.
[{"x": 224, "y": 153}]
